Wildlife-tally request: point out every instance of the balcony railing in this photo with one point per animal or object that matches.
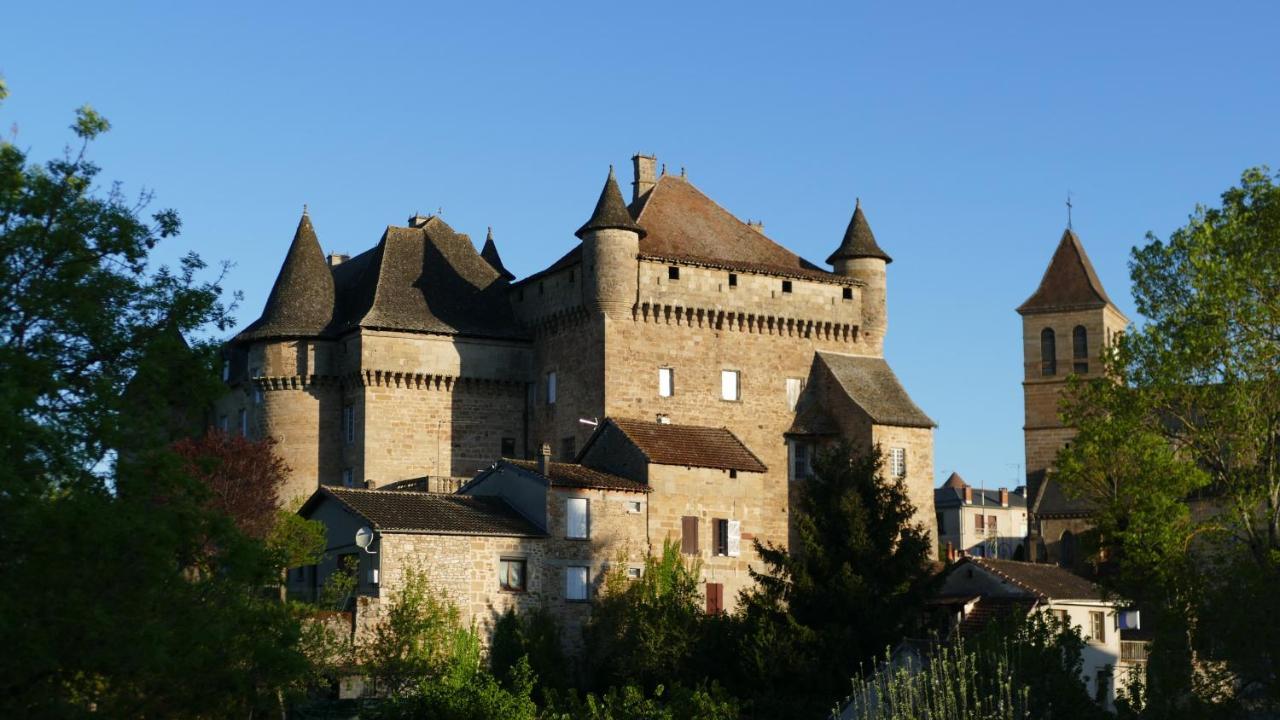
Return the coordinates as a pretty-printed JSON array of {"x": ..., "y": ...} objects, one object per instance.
[{"x": 1133, "y": 651}]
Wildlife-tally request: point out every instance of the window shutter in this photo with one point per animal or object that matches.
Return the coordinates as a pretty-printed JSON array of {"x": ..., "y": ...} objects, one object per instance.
[
  {"x": 735, "y": 538},
  {"x": 689, "y": 535},
  {"x": 715, "y": 598}
]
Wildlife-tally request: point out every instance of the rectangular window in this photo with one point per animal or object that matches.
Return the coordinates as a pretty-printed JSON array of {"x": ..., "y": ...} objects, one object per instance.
[
  {"x": 720, "y": 536},
  {"x": 551, "y": 388},
  {"x": 979, "y": 523},
  {"x": 666, "y": 382},
  {"x": 673, "y": 273},
  {"x": 801, "y": 461},
  {"x": 729, "y": 385},
  {"x": 258, "y": 397},
  {"x": 786, "y": 286},
  {"x": 1062, "y": 617},
  {"x": 568, "y": 448},
  {"x": 991, "y": 524},
  {"x": 511, "y": 574},
  {"x": 1080, "y": 368},
  {"x": 575, "y": 518},
  {"x": 942, "y": 524},
  {"x": 508, "y": 447},
  {"x": 794, "y": 386},
  {"x": 1098, "y": 626},
  {"x": 348, "y": 478},
  {"x": 633, "y": 573},
  {"x": 242, "y": 420},
  {"x": 689, "y": 535},
  {"x": 576, "y": 583},
  {"x": 898, "y": 462},
  {"x": 846, "y": 293},
  {"x": 633, "y": 506},
  {"x": 715, "y": 598},
  {"x": 733, "y": 280},
  {"x": 348, "y": 424}
]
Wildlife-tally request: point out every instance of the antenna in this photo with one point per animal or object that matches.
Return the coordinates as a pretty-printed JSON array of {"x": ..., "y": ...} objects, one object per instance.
[{"x": 593, "y": 422}]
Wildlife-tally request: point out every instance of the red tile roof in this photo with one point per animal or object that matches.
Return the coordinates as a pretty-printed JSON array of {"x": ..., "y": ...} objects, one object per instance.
[
  {"x": 578, "y": 476},
  {"x": 689, "y": 445}
]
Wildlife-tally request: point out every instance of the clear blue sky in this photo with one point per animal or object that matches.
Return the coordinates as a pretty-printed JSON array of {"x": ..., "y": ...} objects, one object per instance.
[{"x": 961, "y": 126}]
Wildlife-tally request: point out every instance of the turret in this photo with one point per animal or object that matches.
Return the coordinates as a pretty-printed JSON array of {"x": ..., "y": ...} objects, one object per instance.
[
  {"x": 610, "y": 243},
  {"x": 301, "y": 301},
  {"x": 860, "y": 258},
  {"x": 490, "y": 255}
]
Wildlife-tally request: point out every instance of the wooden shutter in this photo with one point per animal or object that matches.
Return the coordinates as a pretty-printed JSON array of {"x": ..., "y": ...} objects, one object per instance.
[
  {"x": 715, "y": 598},
  {"x": 735, "y": 538},
  {"x": 689, "y": 535}
]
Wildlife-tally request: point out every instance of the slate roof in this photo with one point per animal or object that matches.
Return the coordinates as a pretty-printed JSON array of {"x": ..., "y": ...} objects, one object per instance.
[
  {"x": 953, "y": 497},
  {"x": 1069, "y": 283},
  {"x": 689, "y": 445},
  {"x": 611, "y": 212},
  {"x": 573, "y": 475},
  {"x": 870, "y": 382},
  {"x": 301, "y": 301},
  {"x": 430, "y": 513},
  {"x": 491, "y": 256},
  {"x": 812, "y": 420},
  {"x": 1048, "y": 582},
  {"x": 858, "y": 241},
  {"x": 1048, "y": 499}
]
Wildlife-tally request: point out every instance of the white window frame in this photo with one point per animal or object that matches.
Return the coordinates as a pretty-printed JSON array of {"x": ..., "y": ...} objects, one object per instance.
[
  {"x": 573, "y": 590},
  {"x": 504, "y": 574},
  {"x": 1098, "y": 626},
  {"x": 577, "y": 526},
  {"x": 634, "y": 506},
  {"x": 898, "y": 462},
  {"x": 794, "y": 386},
  {"x": 551, "y": 388},
  {"x": 731, "y": 392},
  {"x": 666, "y": 382},
  {"x": 634, "y": 572}
]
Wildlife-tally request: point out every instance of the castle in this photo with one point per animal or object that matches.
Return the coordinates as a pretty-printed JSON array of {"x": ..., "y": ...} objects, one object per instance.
[{"x": 668, "y": 379}]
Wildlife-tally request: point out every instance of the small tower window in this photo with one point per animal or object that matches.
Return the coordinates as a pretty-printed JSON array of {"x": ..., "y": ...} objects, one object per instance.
[
  {"x": 733, "y": 280},
  {"x": 847, "y": 293},
  {"x": 673, "y": 273},
  {"x": 1048, "y": 353},
  {"x": 1080, "y": 349},
  {"x": 786, "y": 286}
]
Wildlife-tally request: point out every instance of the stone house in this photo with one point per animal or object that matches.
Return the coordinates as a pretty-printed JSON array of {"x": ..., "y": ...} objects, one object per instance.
[
  {"x": 976, "y": 591},
  {"x": 980, "y": 522},
  {"x": 675, "y": 357}
]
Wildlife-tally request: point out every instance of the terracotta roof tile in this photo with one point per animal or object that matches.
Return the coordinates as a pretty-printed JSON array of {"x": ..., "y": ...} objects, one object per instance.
[
  {"x": 955, "y": 481},
  {"x": 578, "y": 476},
  {"x": 431, "y": 513},
  {"x": 1069, "y": 283},
  {"x": 689, "y": 445},
  {"x": 870, "y": 382}
]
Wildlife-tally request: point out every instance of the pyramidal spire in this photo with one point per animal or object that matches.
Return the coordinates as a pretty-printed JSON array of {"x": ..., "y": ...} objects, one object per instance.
[
  {"x": 301, "y": 301},
  {"x": 490, "y": 255},
  {"x": 611, "y": 212},
  {"x": 858, "y": 241},
  {"x": 1069, "y": 283}
]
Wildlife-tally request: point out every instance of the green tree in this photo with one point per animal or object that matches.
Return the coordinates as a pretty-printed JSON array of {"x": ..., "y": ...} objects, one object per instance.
[
  {"x": 1188, "y": 418},
  {"x": 112, "y": 602},
  {"x": 853, "y": 583}
]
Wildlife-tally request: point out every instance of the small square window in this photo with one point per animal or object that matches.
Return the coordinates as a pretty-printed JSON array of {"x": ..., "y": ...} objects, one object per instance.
[
  {"x": 508, "y": 447},
  {"x": 733, "y": 474},
  {"x": 633, "y": 506},
  {"x": 733, "y": 280},
  {"x": 730, "y": 385},
  {"x": 847, "y": 293},
  {"x": 786, "y": 286},
  {"x": 511, "y": 574},
  {"x": 633, "y": 573},
  {"x": 673, "y": 273},
  {"x": 576, "y": 583},
  {"x": 666, "y": 382}
]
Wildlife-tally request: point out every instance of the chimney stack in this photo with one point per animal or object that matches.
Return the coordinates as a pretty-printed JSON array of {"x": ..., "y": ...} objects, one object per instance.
[
  {"x": 417, "y": 220},
  {"x": 646, "y": 167},
  {"x": 757, "y": 225},
  {"x": 968, "y": 496},
  {"x": 544, "y": 459},
  {"x": 336, "y": 259},
  {"x": 1004, "y": 497}
]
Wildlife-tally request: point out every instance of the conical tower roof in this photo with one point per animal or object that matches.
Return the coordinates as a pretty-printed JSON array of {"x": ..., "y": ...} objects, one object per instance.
[
  {"x": 858, "y": 242},
  {"x": 1069, "y": 283},
  {"x": 611, "y": 212},
  {"x": 490, "y": 254},
  {"x": 301, "y": 301},
  {"x": 955, "y": 482}
]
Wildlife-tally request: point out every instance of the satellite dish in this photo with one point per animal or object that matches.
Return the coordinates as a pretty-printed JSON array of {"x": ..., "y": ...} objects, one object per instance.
[{"x": 364, "y": 538}]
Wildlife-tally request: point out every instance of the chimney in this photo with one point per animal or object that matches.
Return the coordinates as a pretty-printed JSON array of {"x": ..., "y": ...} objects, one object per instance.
[
  {"x": 336, "y": 259},
  {"x": 756, "y": 225},
  {"x": 1004, "y": 497},
  {"x": 416, "y": 220},
  {"x": 646, "y": 175},
  {"x": 544, "y": 459},
  {"x": 968, "y": 496}
]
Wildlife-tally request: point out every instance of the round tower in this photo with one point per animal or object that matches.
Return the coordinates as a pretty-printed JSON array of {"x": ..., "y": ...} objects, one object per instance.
[
  {"x": 610, "y": 243},
  {"x": 861, "y": 259}
]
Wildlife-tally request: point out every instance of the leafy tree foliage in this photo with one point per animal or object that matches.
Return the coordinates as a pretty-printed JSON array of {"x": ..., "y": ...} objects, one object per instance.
[
  {"x": 243, "y": 477},
  {"x": 1179, "y": 450}
]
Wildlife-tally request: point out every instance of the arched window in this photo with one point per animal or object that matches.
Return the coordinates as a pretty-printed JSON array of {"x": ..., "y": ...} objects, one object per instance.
[
  {"x": 1080, "y": 349},
  {"x": 1048, "y": 353}
]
